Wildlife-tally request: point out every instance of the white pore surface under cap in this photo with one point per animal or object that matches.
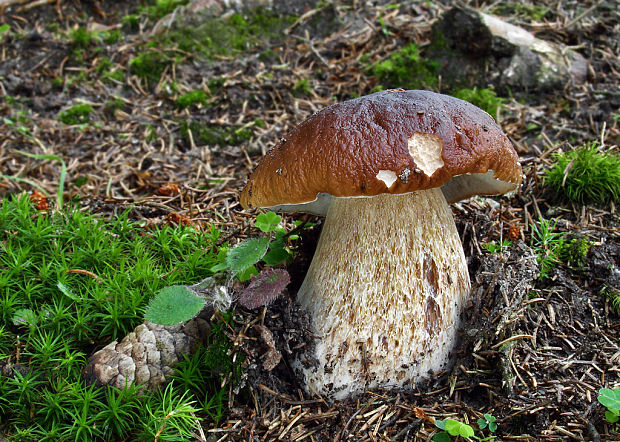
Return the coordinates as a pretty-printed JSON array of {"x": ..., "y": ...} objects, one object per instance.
[{"x": 385, "y": 291}]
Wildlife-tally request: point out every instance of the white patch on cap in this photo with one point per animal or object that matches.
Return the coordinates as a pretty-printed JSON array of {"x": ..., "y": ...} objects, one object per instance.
[
  {"x": 426, "y": 152},
  {"x": 387, "y": 176}
]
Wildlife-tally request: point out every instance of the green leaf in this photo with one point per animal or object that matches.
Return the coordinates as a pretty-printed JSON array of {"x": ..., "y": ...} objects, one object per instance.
[
  {"x": 172, "y": 305},
  {"x": 246, "y": 253},
  {"x": 611, "y": 417},
  {"x": 610, "y": 398},
  {"x": 482, "y": 423},
  {"x": 456, "y": 428},
  {"x": 25, "y": 316},
  {"x": 4, "y": 28},
  {"x": 466, "y": 431},
  {"x": 441, "y": 424},
  {"x": 442, "y": 436},
  {"x": 276, "y": 255},
  {"x": 247, "y": 274},
  {"x": 268, "y": 222},
  {"x": 492, "y": 427},
  {"x": 67, "y": 292},
  {"x": 219, "y": 267},
  {"x": 453, "y": 427}
]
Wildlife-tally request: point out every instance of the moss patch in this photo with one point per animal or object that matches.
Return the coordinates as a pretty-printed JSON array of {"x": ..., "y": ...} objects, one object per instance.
[
  {"x": 406, "y": 69},
  {"x": 216, "y": 135},
  {"x": 485, "y": 99},
  {"x": 227, "y": 36},
  {"x": 586, "y": 175},
  {"x": 78, "y": 114}
]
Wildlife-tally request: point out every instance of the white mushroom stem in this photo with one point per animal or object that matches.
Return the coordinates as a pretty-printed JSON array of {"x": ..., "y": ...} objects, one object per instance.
[{"x": 385, "y": 291}]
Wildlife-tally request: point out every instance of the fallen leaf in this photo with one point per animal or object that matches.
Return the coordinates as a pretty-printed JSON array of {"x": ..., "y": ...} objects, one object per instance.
[
  {"x": 39, "y": 199},
  {"x": 264, "y": 288},
  {"x": 169, "y": 189}
]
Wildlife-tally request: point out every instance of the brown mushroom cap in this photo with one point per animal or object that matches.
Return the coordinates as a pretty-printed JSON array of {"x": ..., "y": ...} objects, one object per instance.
[{"x": 389, "y": 142}]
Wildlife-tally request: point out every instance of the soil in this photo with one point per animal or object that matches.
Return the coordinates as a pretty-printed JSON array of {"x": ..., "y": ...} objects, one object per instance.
[{"x": 534, "y": 352}]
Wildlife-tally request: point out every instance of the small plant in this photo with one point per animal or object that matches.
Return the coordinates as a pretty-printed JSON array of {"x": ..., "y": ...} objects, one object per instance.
[
  {"x": 494, "y": 247},
  {"x": 78, "y": 114},
  {"x": 485, "y": 99},
  {"x": 586, "y": 175},
  {"x": 61, "y": 178},
  {"x": 111, "y": 37},
  {"x": 487, "y": 420},
  {"x": 4, "y": 30},
  {"x": 546, "y": 244},
  {"x": 553, "y": 248},
  {"x": 192, "y": 98},
  {"x": 613, "y": 294},
  {"x": 611, "y": 400},
  {"x": 229, "y": 35},
  {"x": 272, "y": 250},
  {"x": 452, "y": 427},
  {"x": 176, "y": 304},
  {"x": 170, "y": 416},
  {"x": 114, "y": 105}
]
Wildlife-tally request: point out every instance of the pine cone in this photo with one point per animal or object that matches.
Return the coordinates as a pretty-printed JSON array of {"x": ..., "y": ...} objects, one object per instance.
[{"x": 148, "y": 354}]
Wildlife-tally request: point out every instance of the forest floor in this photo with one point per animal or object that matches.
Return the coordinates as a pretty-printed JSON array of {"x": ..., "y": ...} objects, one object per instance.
[{"x": 98, "y": 84}]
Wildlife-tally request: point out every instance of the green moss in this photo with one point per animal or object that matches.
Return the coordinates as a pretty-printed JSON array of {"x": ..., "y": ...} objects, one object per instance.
[
  {"x": 216, "y": 83},
  {"x": 161, "y": 8},
  {"x": 78, "y": 114},
  {"x": 117, "y": 76},
  {"x": 58, "y": 82},
  {"x": 523, "y": 10},
  {"x": 485, "y": 99},
  {"x": 192, "y": 98},
  {"x": 131, "y": 22},
  {"x": 215, "y": 135},
  {"x": 302, "y": 88},
  {"x": 405, "y": 69},
  {"x": 113, "y": 105},
  {"x": 111, "y": 37},
  {"x": 228, "y": 36},
  {"x": 104, "y": 64},
  {"x": 81, "y": 38},
  {"x": 149, "y": 65},
  {"x": 574, "y": 252},
  {"x": 58, "y": 317},
  {"x": 586, "y": 175}
]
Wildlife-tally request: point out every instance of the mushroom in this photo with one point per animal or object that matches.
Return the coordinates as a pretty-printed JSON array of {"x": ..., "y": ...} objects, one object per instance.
[{"x": 388, "y": 281}]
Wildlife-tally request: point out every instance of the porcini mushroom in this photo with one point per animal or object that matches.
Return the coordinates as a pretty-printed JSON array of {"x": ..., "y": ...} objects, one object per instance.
[{"x": 388, "y": 280}]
